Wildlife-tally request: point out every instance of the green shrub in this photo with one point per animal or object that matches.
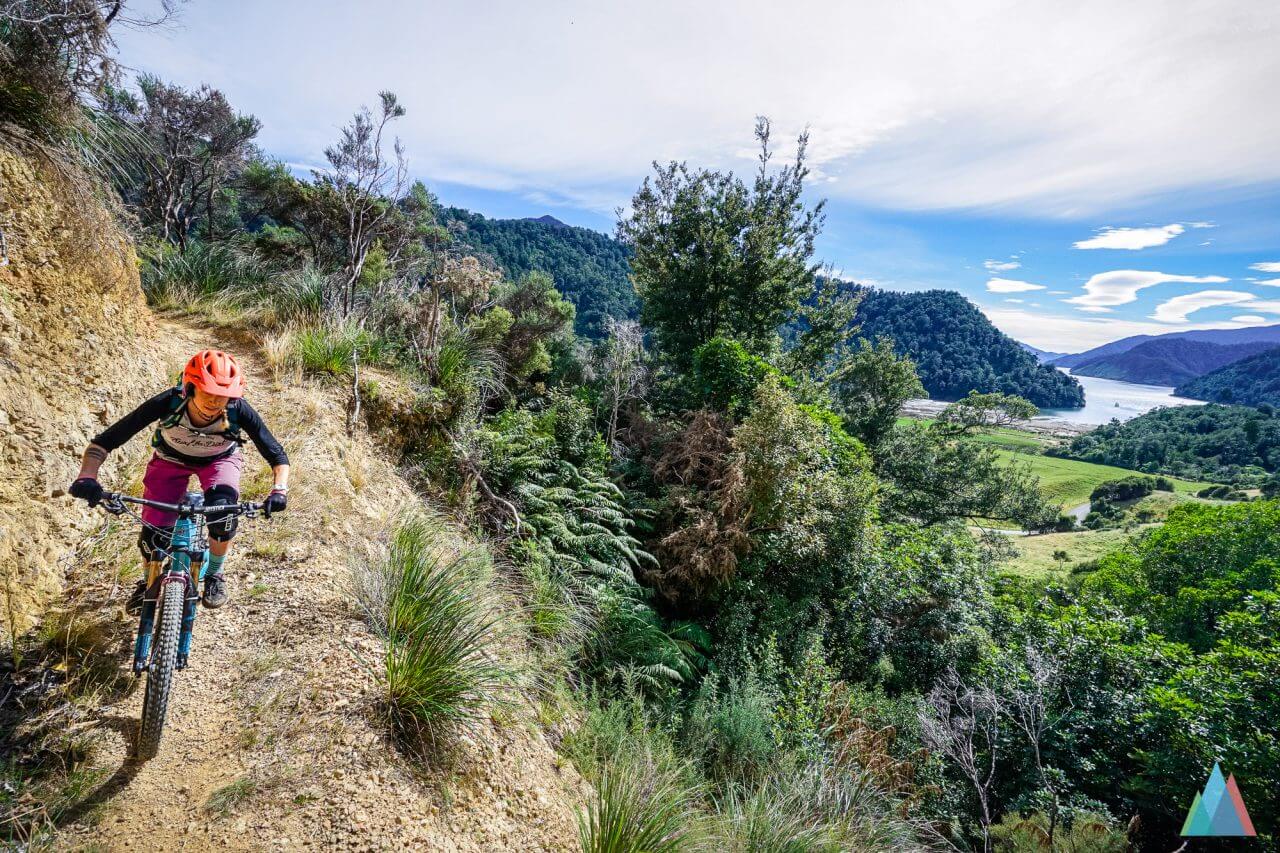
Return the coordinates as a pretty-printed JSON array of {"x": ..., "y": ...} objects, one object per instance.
[
  {"x": 730, "y": 729},
  {"x": 813, "y": 807},
  {"x": 1127, "y": 488},
  {"x": 208, "y": 275},
  {"x": 435, "y": 611},
  {"x": 725, "y": 375}
]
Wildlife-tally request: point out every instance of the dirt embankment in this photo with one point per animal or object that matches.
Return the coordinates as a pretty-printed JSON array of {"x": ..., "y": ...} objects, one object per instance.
[
  {"x": 74, "y": 355},
  {"x": 274, "y": 739}
]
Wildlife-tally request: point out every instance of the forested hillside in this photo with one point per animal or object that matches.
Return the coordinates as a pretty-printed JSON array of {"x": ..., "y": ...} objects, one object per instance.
[
  {"x": 588, "y": 267},
  {"x": 1167, "y": 361},
  {"x": 1253, "y": 381},
  {"x": 1224, "y": 444},
  {"x": 957, "y": 350}
]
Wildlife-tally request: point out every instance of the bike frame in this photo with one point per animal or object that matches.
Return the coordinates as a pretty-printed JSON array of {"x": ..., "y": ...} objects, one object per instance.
[
  {"x": 187, "y": 549},
  {"x": 184, "y": 562}
]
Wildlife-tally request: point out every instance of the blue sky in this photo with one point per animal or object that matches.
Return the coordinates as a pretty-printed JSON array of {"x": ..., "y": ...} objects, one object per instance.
[{"x": 1081, "y": 173}]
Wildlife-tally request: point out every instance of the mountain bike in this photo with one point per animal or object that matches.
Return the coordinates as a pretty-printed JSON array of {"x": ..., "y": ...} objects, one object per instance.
[{"x": 169, "y": 604}]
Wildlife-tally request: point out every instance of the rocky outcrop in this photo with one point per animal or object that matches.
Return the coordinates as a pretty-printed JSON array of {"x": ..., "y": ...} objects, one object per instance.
[{"x": 74, "y": 332}]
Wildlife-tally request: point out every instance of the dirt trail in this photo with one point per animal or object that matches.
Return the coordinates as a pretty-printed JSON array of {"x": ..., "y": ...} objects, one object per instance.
[{"x": 274, "y": 719}]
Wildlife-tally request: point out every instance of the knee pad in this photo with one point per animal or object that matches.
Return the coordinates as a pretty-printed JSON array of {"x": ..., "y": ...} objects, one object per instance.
[
  {"x": 153, "y": 542},
  {"x": 222, "y": 527}
]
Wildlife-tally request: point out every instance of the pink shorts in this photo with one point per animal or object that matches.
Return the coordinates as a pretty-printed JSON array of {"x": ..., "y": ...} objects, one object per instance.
[{"x": 166, "y": 481}]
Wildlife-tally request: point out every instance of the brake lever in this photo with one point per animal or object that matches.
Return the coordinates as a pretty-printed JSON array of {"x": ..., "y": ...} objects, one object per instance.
[{"x": 115, "y": 506}]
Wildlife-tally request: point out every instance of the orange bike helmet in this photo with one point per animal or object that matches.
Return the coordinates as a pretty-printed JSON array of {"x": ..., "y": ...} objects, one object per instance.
[{"x": 214, "y": 372}]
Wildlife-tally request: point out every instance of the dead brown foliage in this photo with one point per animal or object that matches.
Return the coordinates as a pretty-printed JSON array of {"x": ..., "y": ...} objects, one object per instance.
[
  {"x": 706, "y": 515},
  {"x": 860, "y": 745}
]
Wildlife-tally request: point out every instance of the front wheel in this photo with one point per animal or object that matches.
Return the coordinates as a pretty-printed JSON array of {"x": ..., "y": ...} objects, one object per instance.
[{"x": 164, "y": 655}]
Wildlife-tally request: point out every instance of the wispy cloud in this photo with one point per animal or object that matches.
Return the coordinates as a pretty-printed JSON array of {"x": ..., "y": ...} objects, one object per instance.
[
  {"x": 1119, "y": 287},
  {"x": 1075, "y": 334},
  {"x": 579, "y": 97},
  {"x": 1267, "y": 306},
  {"x": 1269, "y": 282},
  {"x": 1250, "y": 319},
  {"x": 1177, "y": 309},
  {"x": 1008, "y": 285},
  {"x": 1266, "y": 266},
  {"x": 1131, "y": 238},
  {"x": 1001, "y": 266}
]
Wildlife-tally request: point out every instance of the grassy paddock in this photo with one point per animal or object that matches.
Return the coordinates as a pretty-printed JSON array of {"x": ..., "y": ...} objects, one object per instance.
[
  {"x": 1035, "y": 553},
  {"x": 1069, "y": 481}
]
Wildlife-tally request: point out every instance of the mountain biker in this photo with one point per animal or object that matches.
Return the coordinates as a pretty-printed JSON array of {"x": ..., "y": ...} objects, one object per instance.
[{"x": 198, "y": 431}]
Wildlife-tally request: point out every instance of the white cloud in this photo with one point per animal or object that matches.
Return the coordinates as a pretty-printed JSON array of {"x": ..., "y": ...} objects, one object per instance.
[
  {"x": 1076, "y": 334},
  {"x": 1015, "y": 301},
  {"x": 1131, "y": 238},
  {"x": 1177, "y": 309},
  {"x": 911, "y": 106},
  {"x": 1267, "y": 306},
  {"x": 1269, "y": 282},
  {"x": 1001, "y": 266},
  {"x": 1266, "y": 266},
  {"x": 1250, "y": 319},
  {"x": 1008, "y": 285},
  {"x": 1119, "y": 287},
  {"x": 1092, "y": 309}
]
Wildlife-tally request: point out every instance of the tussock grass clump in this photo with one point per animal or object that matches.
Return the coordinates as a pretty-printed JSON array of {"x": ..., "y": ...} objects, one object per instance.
[
  {"x": 331, "y": 348},
  {"x": 812, "y": 807},
  {"x": 437, "y": 614},
  {"x": 209, "y": 276},
  {"x": 225, "y": 799},
  {"x": 639, "y": 808}
]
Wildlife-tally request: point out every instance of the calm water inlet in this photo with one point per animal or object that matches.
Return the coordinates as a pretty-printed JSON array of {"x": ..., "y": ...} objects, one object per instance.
[{"x": 1105, "y": 399}]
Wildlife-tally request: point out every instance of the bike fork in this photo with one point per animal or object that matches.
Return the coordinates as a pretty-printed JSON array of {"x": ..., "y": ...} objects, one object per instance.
[
  {"x": 192, "y": 601},
  {"x": 142, "y": 646}
]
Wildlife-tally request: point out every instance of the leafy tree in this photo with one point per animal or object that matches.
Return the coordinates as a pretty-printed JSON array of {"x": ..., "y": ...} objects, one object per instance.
[
  {"x": 57, "y": 54},
  {"x": 200, "y": 144},
  {"x": 713, "y": 255},
  {"x": 983, "y": 411},
  {"x": 366, "y": 184},
  {"x": 871, "y": 385},
  {"x": 933, "y": 477}
]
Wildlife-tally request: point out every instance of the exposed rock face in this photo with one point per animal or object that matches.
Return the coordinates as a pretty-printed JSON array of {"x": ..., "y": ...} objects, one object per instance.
[{"x": 74, "y": 354}]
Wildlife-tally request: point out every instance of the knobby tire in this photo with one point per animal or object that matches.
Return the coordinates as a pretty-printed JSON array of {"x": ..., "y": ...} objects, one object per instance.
[{"x": 164, "y": 656}]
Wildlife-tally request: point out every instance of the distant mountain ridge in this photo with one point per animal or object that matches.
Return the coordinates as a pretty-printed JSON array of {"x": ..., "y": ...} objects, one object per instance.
[
  {"x": 1253, "y": 381},
  {"x": 1213, "y": 336},
  {"x": 1042, "y": 356},
  {"x": 957, "y": 350},
  {"x": 1167, "y": 361}
]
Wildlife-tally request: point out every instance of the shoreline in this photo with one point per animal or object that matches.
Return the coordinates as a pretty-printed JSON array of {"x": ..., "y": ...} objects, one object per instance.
[{"x": 1041, "y": 424}]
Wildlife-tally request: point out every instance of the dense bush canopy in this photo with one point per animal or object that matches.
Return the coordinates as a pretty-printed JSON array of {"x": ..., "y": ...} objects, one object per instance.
[
  {"x": 1226, "y": 444},
  {"x": 956, "y": 349}
]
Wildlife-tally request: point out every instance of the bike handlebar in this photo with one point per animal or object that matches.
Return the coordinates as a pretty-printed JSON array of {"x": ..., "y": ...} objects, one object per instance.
[{"x": 114, "y": 502}]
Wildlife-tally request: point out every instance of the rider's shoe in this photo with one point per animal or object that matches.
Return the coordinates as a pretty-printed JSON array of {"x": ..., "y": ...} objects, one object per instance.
[
  {"x": 181, "y": 662},
  {"x": 215, "y": 591},
  {"x": 134, "y": 604}
]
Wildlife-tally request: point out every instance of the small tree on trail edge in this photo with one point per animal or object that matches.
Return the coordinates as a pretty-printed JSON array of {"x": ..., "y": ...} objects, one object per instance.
[{"x": 367, "y": 185}]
